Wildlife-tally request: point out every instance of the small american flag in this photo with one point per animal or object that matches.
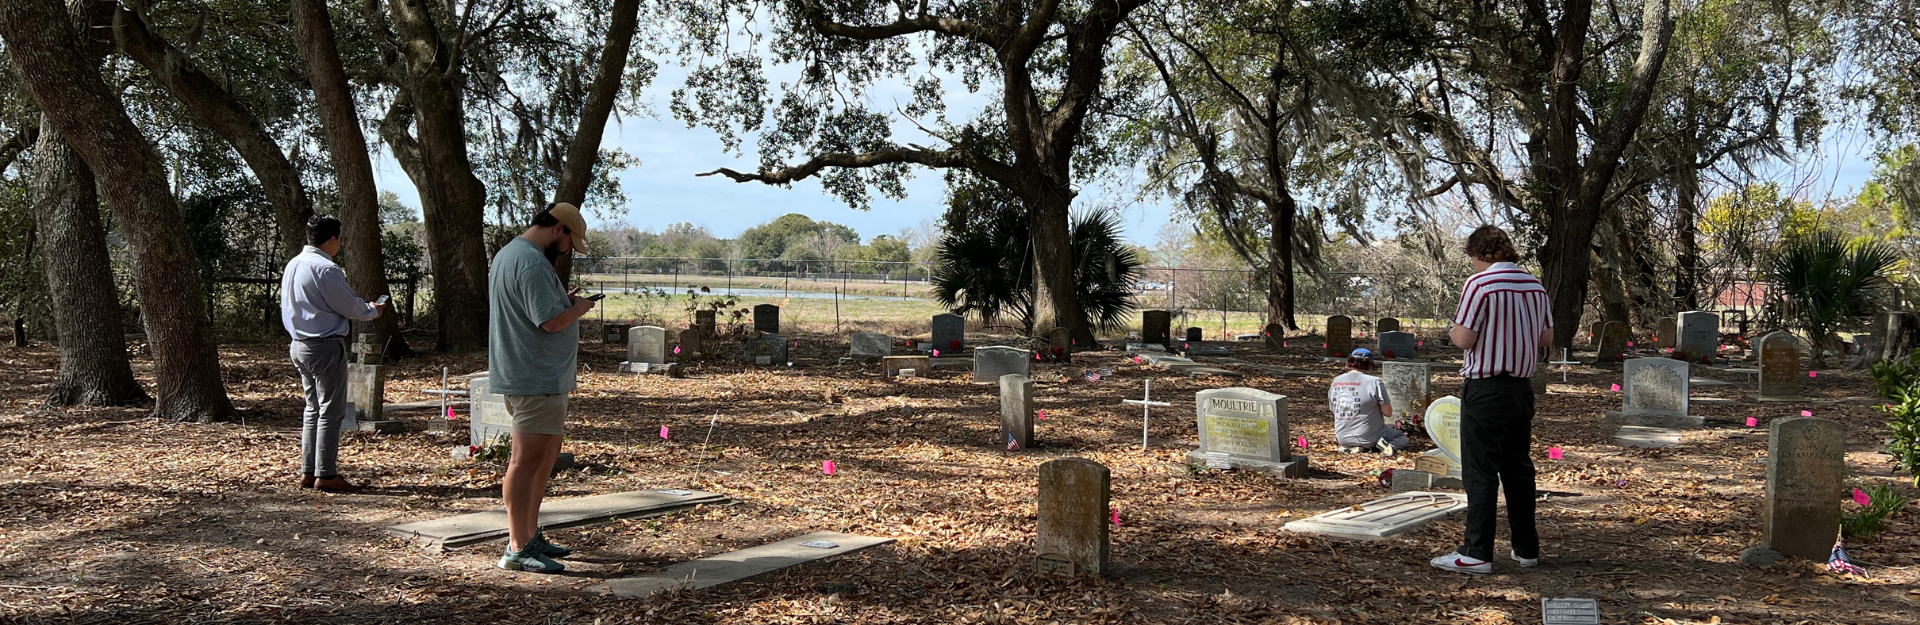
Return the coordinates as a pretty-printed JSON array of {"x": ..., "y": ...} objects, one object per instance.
[
  {"x": 1839, "y": 563},
  {"x": 1092, "y": 376},
  {"x": 1013, "y": 444}
]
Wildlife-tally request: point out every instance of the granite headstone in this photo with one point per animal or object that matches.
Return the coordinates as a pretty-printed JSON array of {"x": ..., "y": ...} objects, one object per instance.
[
  {"x": 1245, "y": 428},
  {"x": 1075, "y": 496},
  {"x": 990, "y": 363},
  {"x": 1806, "y": 470}
]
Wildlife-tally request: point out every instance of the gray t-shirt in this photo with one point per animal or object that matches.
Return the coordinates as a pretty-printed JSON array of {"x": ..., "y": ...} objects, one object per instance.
[
  {"x": 523, "y": 291},
  {"x": 1356, "y": 399}
]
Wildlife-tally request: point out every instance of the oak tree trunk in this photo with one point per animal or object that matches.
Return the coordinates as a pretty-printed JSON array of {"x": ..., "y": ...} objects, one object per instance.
[
  {"x": 1685, "y": 235},
  {"x": 583, "y": 154},
  {"x": 1280, "y": 301},
  {"x": 91, "y": 118},
  {"x": 1054, "y": 304},
  {"x": 94, "y": 370},
  {"x": 352, "y": 169}
]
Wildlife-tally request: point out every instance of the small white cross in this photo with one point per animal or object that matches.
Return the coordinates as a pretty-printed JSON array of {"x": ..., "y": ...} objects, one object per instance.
[
  {"x": 1564, "y": 361},
  {"x": 1146, "y": 410}
]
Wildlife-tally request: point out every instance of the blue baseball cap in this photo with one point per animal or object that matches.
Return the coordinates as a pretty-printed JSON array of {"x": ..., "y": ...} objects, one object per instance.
[{"x": 1363, "y": 353}]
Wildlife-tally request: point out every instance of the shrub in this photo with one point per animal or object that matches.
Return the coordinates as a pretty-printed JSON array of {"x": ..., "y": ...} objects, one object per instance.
[
  {"x": 1903, "y": 423},
  {"x": 1824, "y": 284},
  {"x": 1870, "y": 520}
]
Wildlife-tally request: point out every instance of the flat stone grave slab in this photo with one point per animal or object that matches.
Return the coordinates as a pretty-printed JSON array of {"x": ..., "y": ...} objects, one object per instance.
[
  {"x": 1642, "y": 436},
  {"x": 1655, "y": 420},
  {"x": 1383, "y": 518},
  {"x": 738, "y": 565},
  {"x": 1707, "y": 382},
  {"x": 478, "y": 527},
  {"x": 1199, "y": 370},
  {"x": 1164, "y": 361}
]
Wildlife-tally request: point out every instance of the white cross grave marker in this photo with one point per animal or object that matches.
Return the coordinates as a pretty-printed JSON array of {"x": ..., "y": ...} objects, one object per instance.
[
  {"x": 1146, "y": 410},
  {"x": 1564, "y": 362}
]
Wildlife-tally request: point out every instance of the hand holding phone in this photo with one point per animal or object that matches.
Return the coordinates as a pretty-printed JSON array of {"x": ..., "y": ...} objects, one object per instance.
[
  {"x": 596, "y": 297},
  {"x": 382, "y": 301}
]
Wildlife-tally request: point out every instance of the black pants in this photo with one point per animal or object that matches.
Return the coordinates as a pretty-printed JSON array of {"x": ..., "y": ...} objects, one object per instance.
[{"x": 1496, "y": 434}]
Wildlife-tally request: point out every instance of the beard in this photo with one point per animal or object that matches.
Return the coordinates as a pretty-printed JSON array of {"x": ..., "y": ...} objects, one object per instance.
[{"x": 552, "y": 251}]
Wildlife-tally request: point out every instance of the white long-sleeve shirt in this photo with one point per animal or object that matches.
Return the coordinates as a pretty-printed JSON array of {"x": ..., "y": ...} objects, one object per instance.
[{"x": 315, "y": 301}]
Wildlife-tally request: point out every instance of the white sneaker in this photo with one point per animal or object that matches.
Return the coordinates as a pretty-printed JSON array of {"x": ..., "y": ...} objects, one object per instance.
[
  {"x": 1386, "y": 448},
  {"x": 1528, "y": 562},
  {"x": 1462, "y": 564}
]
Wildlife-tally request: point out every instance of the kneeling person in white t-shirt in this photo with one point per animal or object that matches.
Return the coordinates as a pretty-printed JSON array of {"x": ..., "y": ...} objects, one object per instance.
[{"x": 1361, "y": 408}]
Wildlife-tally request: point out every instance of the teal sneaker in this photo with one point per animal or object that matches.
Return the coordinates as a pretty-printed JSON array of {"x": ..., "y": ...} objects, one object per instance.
[
  {"x": 547, "y": 548},
  {"x": 530, "y": 560}
]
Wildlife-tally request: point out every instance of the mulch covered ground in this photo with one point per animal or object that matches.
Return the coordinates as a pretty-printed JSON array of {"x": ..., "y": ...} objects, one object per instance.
[{"x": 108, "y": 516}]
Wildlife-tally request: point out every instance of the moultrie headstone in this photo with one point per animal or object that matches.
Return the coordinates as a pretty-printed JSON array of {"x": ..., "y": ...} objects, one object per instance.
[
  {"x": 869, "y": 346},
  {"x": 992, "y": 362},
  {"x": 1339, "y": 336},
  {"x": 692, "y": 343},
  {"x": 1779, "y": 367},
  {"x": 1408, "y": 387},
  {"x": 647, "y": 344},
  {"x": 770, "y": 349},
  {"x": 1386, "y": 324},
  {"x": 1075, "y": 495},
  {"x": 1593, "y": 335},
  {"x": 1665, "y": 333},
  {"x": 1275, "y": 335},
  {"x": 949, "y": 333},
  {"x": 616, "y": 333},
  {"x": 893, "y": 365},
  {"x": 1195, "y": 334},
  {"x": 1699, "y": 335},
  {"x": 1654, "y": 394},
  {"x": 1397, "y": 345},
  {"x": 1245, "y": 428},
  {"x": 766, "y": 318},
  {"x": 1016, "y": 411},
  {"x": 1613, "y": 341},
  {"x": 1806, "y": 470},
  {"x": 487, "y": 414},
  {"x": 705, "y": 321},
  {"x": 1156, "y": 327}
]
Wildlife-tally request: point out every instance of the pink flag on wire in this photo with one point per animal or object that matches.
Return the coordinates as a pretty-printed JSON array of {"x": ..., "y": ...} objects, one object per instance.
[
  {"x": 449, "y": 413},
  {"x": 663, "y": 432},
  {"x": 1813, "y": 374},
  {"x": 1302, "y": 440},
  {"x": 826, "y": 466},
  {"x": 1806, "y": 413},
  {"x": 1752, "y": 422},
  {"x": 1116, "y": 514},
  {"x": 1555, "y": 453},
  {"x": 1042, "y": 414},
  {"x": 1616, "y": 388},
  {"x": 1860, "y": 497}
]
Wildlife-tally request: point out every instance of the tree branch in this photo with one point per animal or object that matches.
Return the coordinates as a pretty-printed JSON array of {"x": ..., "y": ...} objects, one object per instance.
[
  {"x": 905, "y": 25},
  {"x": 938, "y": 159},
  {"x": 21, "y": 140}
]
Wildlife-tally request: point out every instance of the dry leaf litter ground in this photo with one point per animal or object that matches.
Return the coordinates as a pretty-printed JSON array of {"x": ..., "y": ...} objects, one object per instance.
[{"x": 108, "y": 516}]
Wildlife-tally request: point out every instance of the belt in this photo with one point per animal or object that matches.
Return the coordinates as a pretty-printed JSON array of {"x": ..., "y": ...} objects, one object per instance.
[{"x": 323, "y": 338}]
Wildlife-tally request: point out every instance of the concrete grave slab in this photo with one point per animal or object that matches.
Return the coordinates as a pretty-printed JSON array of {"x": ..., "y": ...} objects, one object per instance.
[
  {"x": 1642, "y": 436},
  {"x": 745, "y": 563},
  {"x": 467, "y": 529},
  {"x": 1383, "y": 518},
  {"x": 1199, "y": 370}
]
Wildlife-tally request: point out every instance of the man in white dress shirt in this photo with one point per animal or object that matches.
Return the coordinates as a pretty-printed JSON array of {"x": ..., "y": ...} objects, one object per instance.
[{"x": 318, "y": 308}]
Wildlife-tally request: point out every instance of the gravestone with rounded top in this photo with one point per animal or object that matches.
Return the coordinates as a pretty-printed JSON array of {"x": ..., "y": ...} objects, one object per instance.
[
  {"x": 1593, "y": 334},
  {"x": 949, "y": 333},
  {"x": 1613, "y": 341},
  {"x": 1016, "y": 411},
  {"x": 1699, "y": 335},
  {"x": 990, "y": 363},
  {"x": 1275, "y": 335},
  {"x": 1655, "y": 394},
  {"x": 705, "y": 321},
  {"x": 1194, "y": 335},
  {"x": 1780, "y": 367},
  {"x": 1339, "y": 336},
  {"x": 1806, "y": 470},
  {"x": 1156, "y": 327},
  {"x": 766, "y": 318},
  {"x": 1398, "y": 345},
  {"x": 647, "y": 344},
  {"x": 1075, "y": 496},
  {"x": 1408, "y": 387},
  {"x": 616, "y": 333},
  {"x": 769, "y": 349},
  {"x": 1245, "y": 428},
  {"x": 869, "y": 346},
  {"x": 1060, "y": 340},
  {"x": 1387, "y": 324},
  {"x": 692, "y": 343}
]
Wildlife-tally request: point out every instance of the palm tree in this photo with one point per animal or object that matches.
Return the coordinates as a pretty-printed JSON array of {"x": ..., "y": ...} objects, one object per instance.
[
  {"x": 985, "y": 270},
  {"x": 1823, "y": 284}
]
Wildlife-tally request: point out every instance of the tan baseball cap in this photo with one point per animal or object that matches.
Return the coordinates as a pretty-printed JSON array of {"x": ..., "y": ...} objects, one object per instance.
[{"x": 570, "y": 216}]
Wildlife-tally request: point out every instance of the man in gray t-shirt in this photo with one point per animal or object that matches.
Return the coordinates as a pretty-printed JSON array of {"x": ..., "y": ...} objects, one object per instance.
[
  {"x": 533, "y": 338},
  {"x": 1361, "y": 408}
]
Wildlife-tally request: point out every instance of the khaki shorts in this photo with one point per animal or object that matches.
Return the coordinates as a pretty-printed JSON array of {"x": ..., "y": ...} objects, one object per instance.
[{"x": 539, "y": 414}]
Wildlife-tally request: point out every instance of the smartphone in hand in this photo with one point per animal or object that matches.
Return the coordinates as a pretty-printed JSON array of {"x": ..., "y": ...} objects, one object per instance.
[
  {"x": 596, "y": 297},
  {"x": 382, "y": 301}
]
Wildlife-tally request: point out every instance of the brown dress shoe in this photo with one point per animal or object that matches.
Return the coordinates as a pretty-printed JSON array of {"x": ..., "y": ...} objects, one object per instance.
[
  {"x": 306, "y": 480},
  {"x": 336, "y": 485}
]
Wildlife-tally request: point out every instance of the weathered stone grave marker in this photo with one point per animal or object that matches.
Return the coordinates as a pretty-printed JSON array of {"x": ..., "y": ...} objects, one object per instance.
[
  {"x": 990, "y": 363},
  {"x": 869, "y": 346},
  {"x": 647, "y": 345},
  {"x": 1386, "y": 324},
  {"x": 693, "y": 343},
  {"x": 1593, "y": 335},
  {"x": 1016, "y": 411},
  {"x": 1665, "y": 333},
  {"x": 1382, "y": 518},
  {"x": 1339, "y": 336},
  {"x": 1439, "y": 468},
  {"x": 893, "y": 365},
  {"x": 1408, "y": 387},
  {"x": 770, "y": 349},
  {"x": 1613, "y": 341},
  {"x": 1398, "y": 345},
  {"x": 486, "y": 414},
  {"x": 1655, "y": 395},
  {"x": 616, "y": 333},
  {"x": 1779, "y": 367},
  {"x": 1060, "y": 340},
  {"x": 1275, "y": 335},
  {"x": 1245, "y": 428},
  {"x": 1806, "y": 468},
  {"x": 367, "y": 388},
  {"x": 1194, "y": 334},
  {"x": 705, "y": 321},
  {"x": 1699, "y": 336},
  {"x": 1156, "y": 327},
  {"x": 1075, "y": 496},
  {"x": 949, "y": 333},
  {"x": 766, "y": 318}
]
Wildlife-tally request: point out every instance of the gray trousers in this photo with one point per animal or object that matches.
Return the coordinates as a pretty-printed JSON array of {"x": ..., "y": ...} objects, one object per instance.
[{"x": 323, "y": 375}]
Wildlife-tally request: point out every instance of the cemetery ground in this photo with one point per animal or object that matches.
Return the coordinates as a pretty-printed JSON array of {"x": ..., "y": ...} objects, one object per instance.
[{"x": 109, "y": 516}]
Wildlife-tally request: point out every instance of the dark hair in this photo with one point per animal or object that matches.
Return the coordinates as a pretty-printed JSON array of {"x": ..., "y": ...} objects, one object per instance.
[
  {"x": 545, "y": 219},
  {"x": 1490, "y": 243},
  {"x": 321, "y": 230},
  {"x": 1359, "y": 364}
]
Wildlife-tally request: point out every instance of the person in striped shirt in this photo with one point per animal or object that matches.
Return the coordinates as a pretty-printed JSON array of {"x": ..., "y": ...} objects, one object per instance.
[{"x": 1502, "y": 321}]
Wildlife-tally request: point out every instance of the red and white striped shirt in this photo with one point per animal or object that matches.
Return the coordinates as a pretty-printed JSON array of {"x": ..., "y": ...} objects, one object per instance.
[{"x": 1508, "y": 308}]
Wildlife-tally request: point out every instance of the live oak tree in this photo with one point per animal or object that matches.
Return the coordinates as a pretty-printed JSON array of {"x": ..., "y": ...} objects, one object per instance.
[
  {"x": 1046, "y": 61},
  {"x": 89, "y": 116}
]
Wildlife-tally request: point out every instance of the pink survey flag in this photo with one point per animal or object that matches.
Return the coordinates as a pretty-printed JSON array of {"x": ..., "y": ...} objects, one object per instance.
[
  {"x": 663, "y": 432},
  {"x": 676, "y": 349},
  {"x": 449, "y": 413},
  {"x": 1302, "y": 440},
  {"x": 1860, "y": 497},
  {"x": 1116, "y": 515},
  {"x": 1283, "y": 343},
  {"x": 1813, "y": 374},
  {"x": 1752, "y": 422},
  {"x": 826, "y": 466},
  {"x": 1616, "y": 388},
  {"x": 1555, "y": 453},
  {"x": 1042, "y": 414},
  {"x": 1806, "y": 413},
  {"x": 936, "y": 353},
  {"x": 1629, "y": 343}
]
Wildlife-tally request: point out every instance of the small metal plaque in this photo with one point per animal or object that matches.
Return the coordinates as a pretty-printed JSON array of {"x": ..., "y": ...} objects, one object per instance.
[
  {"x": 764, "y": 360},
  {"x": 907, "y": 373},
  {"x": 1569, "y": 611},
  {"x": 1430, "y": 464},
  {"x": 1053, "y": 564},
  {"x": 821, "y": 544}
]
